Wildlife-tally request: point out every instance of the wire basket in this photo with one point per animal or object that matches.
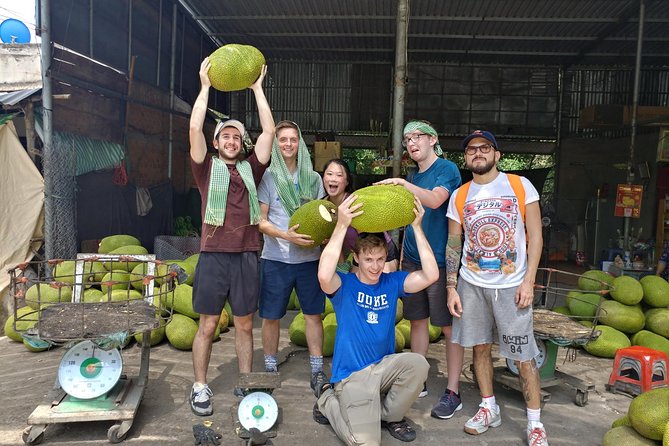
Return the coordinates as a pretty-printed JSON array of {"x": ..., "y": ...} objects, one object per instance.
[
  {"x": 92, "y": 297},
  {"x": 175, "y": 248}
]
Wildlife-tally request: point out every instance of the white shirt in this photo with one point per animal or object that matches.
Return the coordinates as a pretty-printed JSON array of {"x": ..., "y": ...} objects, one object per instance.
[{"x": 494, "y": 254}]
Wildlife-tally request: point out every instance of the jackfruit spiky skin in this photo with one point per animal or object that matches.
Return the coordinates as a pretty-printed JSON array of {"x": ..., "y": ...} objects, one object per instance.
[
  {"x": 626, "y": 318},
  {"x": 626, "y": 290},
  {"x": 655, "y": 291},
  {"x": 385, "y": 207},
  {"x": 625, "y": 435},
  {"x": 608, "y": 343},
  {"x": 649, "y": 413},
  {"x": 312, "y": 223},
  {"x": 110, "y": 243},
  {"x": 180, "y": 331},
  {"x": 235, "y": 67}
]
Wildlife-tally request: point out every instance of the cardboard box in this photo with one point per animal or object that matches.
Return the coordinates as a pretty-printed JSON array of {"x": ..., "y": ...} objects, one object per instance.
[{"x": 324, "y": 152}]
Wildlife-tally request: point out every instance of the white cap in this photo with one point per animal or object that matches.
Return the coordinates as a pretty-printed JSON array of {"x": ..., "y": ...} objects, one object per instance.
[{"x": 230, "y": 123}]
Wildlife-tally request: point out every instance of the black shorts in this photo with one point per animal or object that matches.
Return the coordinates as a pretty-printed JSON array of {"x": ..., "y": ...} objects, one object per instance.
[
  {"x": 431, "y": 302},
  {"x": 226, "y": 276}
]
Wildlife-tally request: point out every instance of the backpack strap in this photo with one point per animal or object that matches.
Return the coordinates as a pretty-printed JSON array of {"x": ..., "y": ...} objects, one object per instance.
[
  {"x": 519, "y": 191},
  {"x": 516, "y": 185},
  {"x": 460, "y": 199}
]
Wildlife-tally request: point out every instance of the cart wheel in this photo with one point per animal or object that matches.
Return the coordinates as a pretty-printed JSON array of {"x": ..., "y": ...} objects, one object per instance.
[
  {"x": 26, "y": 436},
  {"x": 581, "y": 398},
  {"x": 113, "y": 434}
]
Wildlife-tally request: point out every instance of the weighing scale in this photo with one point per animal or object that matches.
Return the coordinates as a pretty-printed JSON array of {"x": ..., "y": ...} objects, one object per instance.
[
  {"x": 90, "y": 385},
  {"x": 256, "y": 415}
]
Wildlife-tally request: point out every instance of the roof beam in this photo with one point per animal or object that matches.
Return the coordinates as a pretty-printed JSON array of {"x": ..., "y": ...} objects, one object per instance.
[{"x": 612, "y": 20}]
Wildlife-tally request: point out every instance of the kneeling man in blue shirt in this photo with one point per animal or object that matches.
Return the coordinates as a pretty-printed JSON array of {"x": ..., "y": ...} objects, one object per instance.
[{"x": 371, "y": 385}]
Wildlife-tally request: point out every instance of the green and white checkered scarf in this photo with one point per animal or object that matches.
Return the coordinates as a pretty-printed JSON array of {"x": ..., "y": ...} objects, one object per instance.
[
  {"x": 307, "y": 179},
  {"x": 426, "y": 128},
  {"x": 217, "y": 197}
]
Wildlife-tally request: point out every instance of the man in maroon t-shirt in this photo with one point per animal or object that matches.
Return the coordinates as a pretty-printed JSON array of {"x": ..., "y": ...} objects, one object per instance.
[{"x": 227, "y": 269}]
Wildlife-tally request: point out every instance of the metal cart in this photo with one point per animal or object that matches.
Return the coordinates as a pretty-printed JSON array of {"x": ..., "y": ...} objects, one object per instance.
[{"x": 92, "y": 328}]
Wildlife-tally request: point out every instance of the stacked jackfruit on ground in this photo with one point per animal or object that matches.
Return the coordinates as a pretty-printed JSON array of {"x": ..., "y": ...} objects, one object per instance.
[
  {"x": 627, "y": 311},
  {"x": 646, "y": 421},
  {"x": 119, "y": 281}
]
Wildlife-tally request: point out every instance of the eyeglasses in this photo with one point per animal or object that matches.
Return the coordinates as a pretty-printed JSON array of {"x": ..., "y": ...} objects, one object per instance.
[
  {"x": 484, "y": 148},
  {"x": 414, "y": 139}
]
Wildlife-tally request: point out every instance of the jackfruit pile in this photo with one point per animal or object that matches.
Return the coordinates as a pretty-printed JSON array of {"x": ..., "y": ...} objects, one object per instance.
[
  {"x": 646, "y": 421},
  {"x": 297, "y": 328},
  {"x": 627, "y": 311},
  {"x": 235, "y": 67},
  {"x": 119, "y": 281}
]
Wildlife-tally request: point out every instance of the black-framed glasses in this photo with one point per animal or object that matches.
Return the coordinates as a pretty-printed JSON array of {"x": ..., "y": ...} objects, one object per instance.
[
  {"x": 414, "y": 139},
  {"x": 484, "y": 148}
]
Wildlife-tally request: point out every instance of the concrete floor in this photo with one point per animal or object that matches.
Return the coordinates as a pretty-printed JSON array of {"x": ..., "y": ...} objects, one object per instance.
[{"x": 164, "y": 416}]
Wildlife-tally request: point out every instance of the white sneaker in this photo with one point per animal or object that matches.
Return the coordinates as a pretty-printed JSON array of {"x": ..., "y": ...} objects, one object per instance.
[
  {"x": 536, "y": 434},
  {"x": 486, "y": 417}
]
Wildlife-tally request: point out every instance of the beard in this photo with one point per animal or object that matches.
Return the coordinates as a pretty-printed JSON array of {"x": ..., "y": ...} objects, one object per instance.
[{"x": 481, "y": 169}]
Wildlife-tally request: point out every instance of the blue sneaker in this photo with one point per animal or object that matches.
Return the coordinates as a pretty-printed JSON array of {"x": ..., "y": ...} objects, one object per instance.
[{"x": 448, "y": 404}]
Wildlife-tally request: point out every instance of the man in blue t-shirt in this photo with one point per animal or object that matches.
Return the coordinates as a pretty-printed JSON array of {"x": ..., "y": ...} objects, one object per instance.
[
  {"x": 372, "y": 386},
  {"x": 433, "y": 184}
]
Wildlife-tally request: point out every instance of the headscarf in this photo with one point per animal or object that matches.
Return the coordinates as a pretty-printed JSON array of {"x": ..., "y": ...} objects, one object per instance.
[
  {"x": 308, "y": 181},
  {"x": 217, "y": 197},
  {"x": 426, "y": 128}
]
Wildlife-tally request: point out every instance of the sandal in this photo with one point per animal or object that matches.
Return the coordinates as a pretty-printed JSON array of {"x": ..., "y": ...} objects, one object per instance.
[
  {"x": 400, "y": 430},
  {"x": 318, "y": 416}
]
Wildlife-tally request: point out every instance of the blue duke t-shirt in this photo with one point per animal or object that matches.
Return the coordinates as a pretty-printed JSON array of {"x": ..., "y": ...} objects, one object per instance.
[{"x": 365, "y": 321}]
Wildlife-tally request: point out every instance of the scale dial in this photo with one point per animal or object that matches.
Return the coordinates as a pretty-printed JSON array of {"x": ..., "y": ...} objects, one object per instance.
[
  {"x": 540, "y": 359},
  {"x": 86, "y": 371},
  {"x": 259, "y": 410}
]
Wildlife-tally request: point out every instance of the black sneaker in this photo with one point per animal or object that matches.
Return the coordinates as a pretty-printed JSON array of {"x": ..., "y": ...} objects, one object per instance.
[
  {"x": 423, "y": 393},
  {"x": 200, "y": 401},
  {"x": 318, "y": 416},
  {"x": 400, "y": 430},
  {"x": 448, "y": 404},
  {"x": 318, "y": 380},
  {"x": 240, "y": 392}
]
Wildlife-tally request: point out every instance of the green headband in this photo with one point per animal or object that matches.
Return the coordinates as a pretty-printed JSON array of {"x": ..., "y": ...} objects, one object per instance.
[{"x": 426, "y": 128}]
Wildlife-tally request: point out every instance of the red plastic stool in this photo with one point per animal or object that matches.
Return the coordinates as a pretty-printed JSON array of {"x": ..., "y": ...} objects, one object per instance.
[{"x": 638, "y": 369}]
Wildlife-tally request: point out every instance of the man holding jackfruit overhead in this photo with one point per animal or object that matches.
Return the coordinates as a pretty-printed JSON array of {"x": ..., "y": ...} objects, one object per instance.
[{"x": 227, "y": 269}]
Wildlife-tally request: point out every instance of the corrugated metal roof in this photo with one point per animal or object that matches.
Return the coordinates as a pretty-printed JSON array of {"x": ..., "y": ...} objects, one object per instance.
[
  {"x": 14, "y": 97},
  {"x": 91, "y": 154},
  {"x": 555, "y": 32}
]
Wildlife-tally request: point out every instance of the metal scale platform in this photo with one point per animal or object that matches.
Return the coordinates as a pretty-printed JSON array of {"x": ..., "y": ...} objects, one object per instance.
[{"x": 90, "y": 385}]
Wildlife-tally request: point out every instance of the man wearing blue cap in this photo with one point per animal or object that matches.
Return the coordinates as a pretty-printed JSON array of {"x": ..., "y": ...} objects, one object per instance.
[
  {"x": 501, "y": 219},
  {"x": 433, "y": 184}
]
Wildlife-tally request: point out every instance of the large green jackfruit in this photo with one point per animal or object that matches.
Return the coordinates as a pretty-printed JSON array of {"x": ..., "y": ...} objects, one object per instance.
[
  {"x": 399, "y": 341},
  {"x": 655, "y": 291},
  {"x": 404, "y": 326},
  {"x": 608, "y": 343},
  {"x": 649, "y": 413},
  {"x": 297, "y": 331},
  {"x": 180, "y": 331},
  {"x": 317, "y": 219},
  {"x": 649, "y": 339},
  {"x": 625, "y": 436},
  {"x": 329, "y": 336},
  {"x": 235, "y": 67},
  {"x": 41, "y": 293},
  {"x": 385, "y": 207},
  {"x": 125, "y": 265},
  {"x": 595, "y": 280},
  {"x": 26, "y": 318},
  {"x": 657, "y": 321},
  {"x": 626, "y": 318},
  {"x": 626, "y": 290},
  {"x": 585, "y": 305},
  {"x": 108, "y": 244}
]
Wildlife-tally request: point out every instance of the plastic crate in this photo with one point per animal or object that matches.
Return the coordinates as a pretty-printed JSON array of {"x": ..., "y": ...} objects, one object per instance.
[{"x": 172, "y": 247}]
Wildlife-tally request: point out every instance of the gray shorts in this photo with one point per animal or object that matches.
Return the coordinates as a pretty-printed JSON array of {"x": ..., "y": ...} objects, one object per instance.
[
  {"x": 483, "y": 310},
  {"x": 431, "y": 302}
]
